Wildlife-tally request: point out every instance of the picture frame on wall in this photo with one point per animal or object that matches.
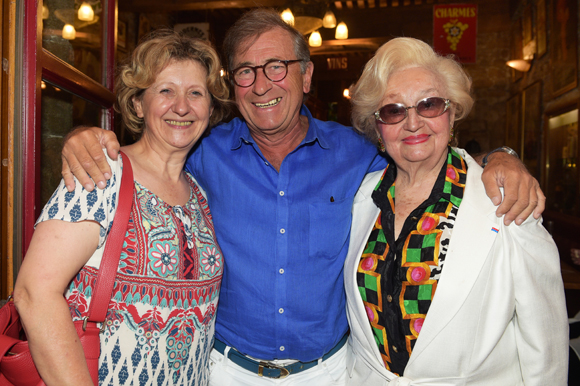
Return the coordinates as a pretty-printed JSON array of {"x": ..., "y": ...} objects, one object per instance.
[
  {"x": 563, "y": 50},
  {"x": 512, "y": 130},
  {"x": 144, "y": 26},
  {"x": 541, "y": 37},
  {"x": 531, "y": 129},
  {"x": 121, "y": 34}
]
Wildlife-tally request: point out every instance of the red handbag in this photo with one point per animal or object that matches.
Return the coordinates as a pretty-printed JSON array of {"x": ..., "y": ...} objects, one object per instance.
[{"x": 16, "y": 365}]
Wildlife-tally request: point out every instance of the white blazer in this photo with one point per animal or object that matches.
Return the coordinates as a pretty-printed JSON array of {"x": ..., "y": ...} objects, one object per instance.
[{"x": 498, "y": 316}]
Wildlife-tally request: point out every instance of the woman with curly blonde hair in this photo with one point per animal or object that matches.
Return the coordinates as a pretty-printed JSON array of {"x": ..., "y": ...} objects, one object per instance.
[{"x": 160, "y": 323}]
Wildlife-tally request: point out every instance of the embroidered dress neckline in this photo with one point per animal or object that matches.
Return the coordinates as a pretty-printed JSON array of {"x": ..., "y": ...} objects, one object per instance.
[{"x": 189, "y": 200}]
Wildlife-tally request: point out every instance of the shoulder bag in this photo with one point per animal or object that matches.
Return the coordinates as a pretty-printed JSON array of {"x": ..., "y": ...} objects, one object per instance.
[{"x": 16, "y": 365}]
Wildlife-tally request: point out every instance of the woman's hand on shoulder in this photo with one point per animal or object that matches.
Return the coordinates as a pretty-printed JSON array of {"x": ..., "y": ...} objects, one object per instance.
[{"x": 522, "y": 193}]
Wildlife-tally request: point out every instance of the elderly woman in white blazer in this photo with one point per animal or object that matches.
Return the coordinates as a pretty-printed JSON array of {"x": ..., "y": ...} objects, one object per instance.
[{"x": 439, "y": 291}]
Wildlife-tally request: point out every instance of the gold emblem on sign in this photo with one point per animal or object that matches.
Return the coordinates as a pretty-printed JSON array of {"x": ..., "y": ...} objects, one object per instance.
[{"x": 454, "y": 30}]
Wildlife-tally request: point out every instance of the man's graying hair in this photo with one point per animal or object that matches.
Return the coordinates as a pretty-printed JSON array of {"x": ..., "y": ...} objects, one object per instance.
[{"x": 254, "y": 23}]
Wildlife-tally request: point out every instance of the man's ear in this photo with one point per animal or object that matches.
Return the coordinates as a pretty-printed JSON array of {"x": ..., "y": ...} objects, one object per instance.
[
  {"x": 307, "y": 77},
  {"x": 137, "y": 106}
]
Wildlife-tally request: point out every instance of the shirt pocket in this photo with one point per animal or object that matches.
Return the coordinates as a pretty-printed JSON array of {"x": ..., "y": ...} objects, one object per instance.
[{"x": 329, "y": 228}]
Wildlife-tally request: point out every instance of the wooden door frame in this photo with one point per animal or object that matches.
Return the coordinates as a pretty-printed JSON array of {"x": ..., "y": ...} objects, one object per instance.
[
  {"x": 38, "y": 64},
  {"x": 7, "y": 124}
]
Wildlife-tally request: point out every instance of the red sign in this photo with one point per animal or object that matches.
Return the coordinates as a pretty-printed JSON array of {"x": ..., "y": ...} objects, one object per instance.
[{"x": 455, "y": 31}]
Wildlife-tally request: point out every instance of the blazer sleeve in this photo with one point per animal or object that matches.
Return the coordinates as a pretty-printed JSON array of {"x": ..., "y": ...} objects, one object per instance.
[{"x": 541, "y": 324}]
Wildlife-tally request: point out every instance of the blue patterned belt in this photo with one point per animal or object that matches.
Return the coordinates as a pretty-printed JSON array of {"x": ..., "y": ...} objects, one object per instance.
[{"x": 270, "y": 370}]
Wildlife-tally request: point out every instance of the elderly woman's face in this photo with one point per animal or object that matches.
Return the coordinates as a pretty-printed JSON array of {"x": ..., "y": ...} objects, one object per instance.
[
  {"x": 416, "y": 138},
  {"x": 177, "y": 106}
]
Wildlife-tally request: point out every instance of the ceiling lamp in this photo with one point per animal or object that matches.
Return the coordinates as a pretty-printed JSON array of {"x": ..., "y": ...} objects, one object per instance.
[
  {"x": 44, "y": 12},
  {"x": 69, "y": 32},
  {"x": 329, "y": 20},
  {"x": 520, "y": 65},
  {"x": 288, "y": 17},
  {"x": 86, "y": 12},
  {"x": 315, "y": 39},
  {"x": 341, "y": 31},
  {"x": 306, "y": 16}
]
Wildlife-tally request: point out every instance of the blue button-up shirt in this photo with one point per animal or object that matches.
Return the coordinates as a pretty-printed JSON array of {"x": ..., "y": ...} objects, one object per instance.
[{"x": 284, "y": 235}]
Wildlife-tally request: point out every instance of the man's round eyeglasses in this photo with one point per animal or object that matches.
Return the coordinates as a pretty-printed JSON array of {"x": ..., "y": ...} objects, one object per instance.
[
  {"x": 428, "y": 108},
  {"x": 274, "y": 70}
]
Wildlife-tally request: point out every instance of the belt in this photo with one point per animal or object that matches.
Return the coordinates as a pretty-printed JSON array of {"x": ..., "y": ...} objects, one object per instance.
[{"x": 270, "y": 370}]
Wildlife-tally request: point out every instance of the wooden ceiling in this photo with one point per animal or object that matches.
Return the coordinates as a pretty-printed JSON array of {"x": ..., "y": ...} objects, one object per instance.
[
  {"x": 198, "y": 5},
  {"x": 366, "y": 36}
]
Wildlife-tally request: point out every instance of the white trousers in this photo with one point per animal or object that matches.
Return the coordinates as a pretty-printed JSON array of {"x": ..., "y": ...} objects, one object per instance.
[{"x": 331, "y": 372}]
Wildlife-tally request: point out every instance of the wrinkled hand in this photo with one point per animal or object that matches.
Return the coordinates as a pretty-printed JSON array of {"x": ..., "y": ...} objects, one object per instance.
[
  {"x": 82, "y": 155},
  {"x": 522, "y": 193}
]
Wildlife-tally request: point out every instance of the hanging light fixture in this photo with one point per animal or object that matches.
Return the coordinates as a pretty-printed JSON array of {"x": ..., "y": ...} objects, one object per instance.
[
  {"x": 287, "y": 16},
  {"x": 315, "y": 39},
  {"x": 341, "y": 31},
  {"x": 69, "y": 32},
  {"x": 44, "y": 12},
  {"x": 86, "y": 12},
  {"x": 329, "y": 20},
  {"x": 520, "y": 64}
]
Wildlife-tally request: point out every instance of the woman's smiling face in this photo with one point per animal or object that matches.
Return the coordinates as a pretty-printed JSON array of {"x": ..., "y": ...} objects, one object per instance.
[
  {"x": 416, "y": 138},
  {"x": 177, "y": 106}
]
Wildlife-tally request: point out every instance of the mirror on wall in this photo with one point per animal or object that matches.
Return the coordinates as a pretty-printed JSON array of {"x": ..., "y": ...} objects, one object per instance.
[{"x": 562, "y": 177}]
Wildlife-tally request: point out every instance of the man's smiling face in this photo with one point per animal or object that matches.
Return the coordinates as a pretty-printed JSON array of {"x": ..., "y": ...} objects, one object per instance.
[{"x": 272, "y": 107}]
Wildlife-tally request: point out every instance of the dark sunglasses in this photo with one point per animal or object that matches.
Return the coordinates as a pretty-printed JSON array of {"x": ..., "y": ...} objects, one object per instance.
[{"x": 430, "y": 107}]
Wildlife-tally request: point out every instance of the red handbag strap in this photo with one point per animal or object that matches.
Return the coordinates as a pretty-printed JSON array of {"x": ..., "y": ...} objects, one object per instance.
[{"x": 108, "y": 269}]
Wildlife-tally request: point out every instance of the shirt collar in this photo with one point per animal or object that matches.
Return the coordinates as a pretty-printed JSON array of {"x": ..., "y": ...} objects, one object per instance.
[
  {"x": 390, "y": 175},
  {"x": 314, "y": 134}
]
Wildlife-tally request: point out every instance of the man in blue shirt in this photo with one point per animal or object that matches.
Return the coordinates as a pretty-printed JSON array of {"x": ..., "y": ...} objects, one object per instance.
[{"x": 280, "y": 185}]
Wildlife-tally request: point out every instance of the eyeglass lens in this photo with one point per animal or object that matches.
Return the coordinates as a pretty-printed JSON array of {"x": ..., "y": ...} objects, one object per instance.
[
  {"x": 275, "y": 71},
  {"x": 428, "y": 108}
]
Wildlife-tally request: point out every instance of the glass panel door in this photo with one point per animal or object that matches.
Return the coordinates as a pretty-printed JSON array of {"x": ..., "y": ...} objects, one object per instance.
[
  {"x": 67, "y": 81},
  {"x": 75, "y": 41}
]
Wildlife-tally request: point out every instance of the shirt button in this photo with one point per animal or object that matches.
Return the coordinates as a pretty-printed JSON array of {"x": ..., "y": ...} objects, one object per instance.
[
  {"x": 282, "y": 230},
  {"x": 389, "y": 298},
  {"x": 281, "y": 310},
  {"x": 282, "y": 193},
  {"x": 266, "y": 163},
  {"x": 282, "y": 348},
  {"x": 281, "y": 271},
  {"x": 395, "y": 349}
]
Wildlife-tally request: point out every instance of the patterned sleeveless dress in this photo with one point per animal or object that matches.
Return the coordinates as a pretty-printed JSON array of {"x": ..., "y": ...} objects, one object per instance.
[{"x": 160, "y": 324}]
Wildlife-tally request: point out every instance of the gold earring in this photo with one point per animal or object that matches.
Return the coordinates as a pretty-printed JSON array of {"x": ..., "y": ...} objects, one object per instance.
[{"x": 382, "y": 148}]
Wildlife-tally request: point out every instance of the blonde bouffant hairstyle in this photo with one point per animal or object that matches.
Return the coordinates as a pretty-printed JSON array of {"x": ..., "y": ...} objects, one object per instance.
[
  {"x": 151, "y": 56},
  {"x": 399, "y": 54}
]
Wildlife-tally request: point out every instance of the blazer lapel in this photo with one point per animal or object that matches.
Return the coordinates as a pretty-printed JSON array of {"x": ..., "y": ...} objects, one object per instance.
[
  {"x": 365, "y": 213},
  {"x": 470, "y": 243}
]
